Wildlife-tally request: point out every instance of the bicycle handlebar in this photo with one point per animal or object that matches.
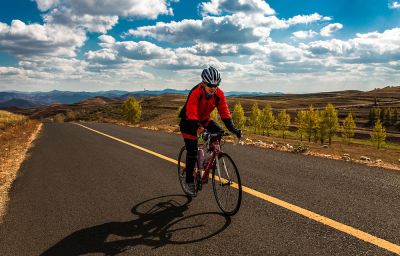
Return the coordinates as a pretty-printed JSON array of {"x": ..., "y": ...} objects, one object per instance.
[{"x": 222, "y": 134}]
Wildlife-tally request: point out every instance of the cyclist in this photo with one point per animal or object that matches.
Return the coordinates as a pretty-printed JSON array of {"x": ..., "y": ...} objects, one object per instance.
[{"x": 196, "y": 120}]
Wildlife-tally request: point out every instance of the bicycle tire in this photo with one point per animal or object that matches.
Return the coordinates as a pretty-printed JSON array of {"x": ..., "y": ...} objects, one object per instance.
[
  {"x": 181, "y": 170},
  {"x": 236, "y": 186}
]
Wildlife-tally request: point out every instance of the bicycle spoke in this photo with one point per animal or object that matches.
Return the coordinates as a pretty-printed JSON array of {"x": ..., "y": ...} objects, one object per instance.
[
  {"x": 226, "y": 185},
  {"x": 226, "y": 171}
]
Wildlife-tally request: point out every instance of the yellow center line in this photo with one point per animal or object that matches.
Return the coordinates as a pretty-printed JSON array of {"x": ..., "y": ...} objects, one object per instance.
[{"x": 291, "y": 207}]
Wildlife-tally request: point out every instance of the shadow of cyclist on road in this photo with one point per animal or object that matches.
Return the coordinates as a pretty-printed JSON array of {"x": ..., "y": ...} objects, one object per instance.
[{"x": 159, "y": 219}]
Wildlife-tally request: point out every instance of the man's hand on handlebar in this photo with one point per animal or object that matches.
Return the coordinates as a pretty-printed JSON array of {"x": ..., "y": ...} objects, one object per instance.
[{"x": 204, "y": 135}]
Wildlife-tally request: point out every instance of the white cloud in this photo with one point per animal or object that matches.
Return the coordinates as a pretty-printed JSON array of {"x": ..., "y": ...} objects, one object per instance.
[
  {"x": 93, "y": 23},
  {"x": 107, "y": 39},
  {"x": 60, "y": 67},
  {"x": 23, "y": 40},
  {"x": 46, "y": 69},
  {"x": 272, "y": 53},
  {"x": 141, "y": 50},
  {"x": 301, "y": 19},
  {"x": 44, "y": 5},
  {"x": 114, "y": 51},
  {"x": 394, "y": 5},
  {"x": 328, "y": 30},
  {"x": 371, "y": 47},
  {"x": 149, "y": 9},
  {"x": 216, "y": 7},
  {"x": 151, "y": 55},
  {"x": 103, "y": 56},
  {"x": 11, "y": 71},
  {"x": 185, "y": 61},
  {"x": 100, "y": 15},
  {"x": 333, "y": 47},
  {"x": 283, "y": 53},
  {"x": 217, "y": 50},
  {"x": 225, "y": 29},
  {"x": 304, "y": 34},
  {"x": 238, "y": 28}
]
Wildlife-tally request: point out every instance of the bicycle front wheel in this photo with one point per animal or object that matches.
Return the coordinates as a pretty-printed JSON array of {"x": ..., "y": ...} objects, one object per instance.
[{"x": 227, "y": 186}]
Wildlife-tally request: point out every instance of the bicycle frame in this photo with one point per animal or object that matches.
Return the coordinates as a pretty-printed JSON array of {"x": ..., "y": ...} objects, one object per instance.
[
  {"x": 209, "y": 166},
  {"x": 212, "y": 160}
]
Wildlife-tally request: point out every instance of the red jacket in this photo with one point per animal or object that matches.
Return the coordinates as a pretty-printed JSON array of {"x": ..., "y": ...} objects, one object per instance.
[{"x": 198, "y": 107}]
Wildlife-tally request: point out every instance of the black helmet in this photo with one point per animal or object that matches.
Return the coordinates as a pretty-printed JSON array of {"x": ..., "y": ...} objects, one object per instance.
[{"x": 211, "y": 77}]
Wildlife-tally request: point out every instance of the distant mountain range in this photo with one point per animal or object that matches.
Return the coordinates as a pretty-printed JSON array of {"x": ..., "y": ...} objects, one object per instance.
[{"x": 35, "y": 99}]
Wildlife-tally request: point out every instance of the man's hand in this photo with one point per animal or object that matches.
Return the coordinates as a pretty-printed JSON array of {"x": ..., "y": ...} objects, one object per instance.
[{"x": 204, "y": 135}]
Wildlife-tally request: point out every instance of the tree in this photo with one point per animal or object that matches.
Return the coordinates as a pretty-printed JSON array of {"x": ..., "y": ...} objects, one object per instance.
[
  {"x": 301, "y": 123},
  {"x": 215, "y": 116},
  {"x": 267, "y": 120},
  {"x": 132, "y": 110},
  {"x": 378, "y": 134},
  {"x": 329, "y": 123},
  {"x": 283, "y": 122},
  {"x": 395, "y": 116},
  {"x": 382, "y": 115},
  {"x": 311, "y": 124},
  {"x": 322, "y": 133},
  {"x": 348, "y": 127},
  {"x": 238, "y": 116},
  {"x": 374, "y": 115},
  {"x": 254, "y": 118},
  {"x": 387, "y": 116}
]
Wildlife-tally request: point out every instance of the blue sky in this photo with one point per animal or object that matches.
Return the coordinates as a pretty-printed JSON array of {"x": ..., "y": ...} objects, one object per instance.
[{"x": 276, "y": 45}]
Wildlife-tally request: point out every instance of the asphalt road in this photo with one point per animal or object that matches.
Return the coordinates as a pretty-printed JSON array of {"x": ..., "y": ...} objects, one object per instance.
[{"x": 81, "y": 193}]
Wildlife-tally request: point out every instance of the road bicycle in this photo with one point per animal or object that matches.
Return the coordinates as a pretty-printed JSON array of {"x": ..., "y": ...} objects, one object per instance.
[{"x": 225, "y": 177}]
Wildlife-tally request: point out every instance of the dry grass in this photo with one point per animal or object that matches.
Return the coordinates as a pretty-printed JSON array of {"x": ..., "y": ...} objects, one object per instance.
[
  {"x": 390, "y": 155},
  {"x": 8, "y": 119},
  {"x": 59, "y": 118},
  {"x": 384, "y": 157},
  {"x": 15, "y": 141}
]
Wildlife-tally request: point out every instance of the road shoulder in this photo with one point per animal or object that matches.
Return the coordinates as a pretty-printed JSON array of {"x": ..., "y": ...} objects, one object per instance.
[{"x": 14, "y": 145}]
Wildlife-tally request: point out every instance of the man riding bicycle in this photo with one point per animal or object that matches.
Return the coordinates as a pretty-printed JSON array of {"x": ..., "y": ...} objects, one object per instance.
[{"x": 196, "y": 120}]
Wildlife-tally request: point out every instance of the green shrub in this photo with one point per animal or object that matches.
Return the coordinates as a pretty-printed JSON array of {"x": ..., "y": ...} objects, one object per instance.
[
  {"x": 132, "y": 110},
  {"x": 238, "y": 117}
]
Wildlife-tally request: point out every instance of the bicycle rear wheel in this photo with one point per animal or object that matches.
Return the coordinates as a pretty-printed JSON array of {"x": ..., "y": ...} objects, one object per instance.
[
  {"x": 227, "y": 186},
  {"x": 182, "y": 170}
]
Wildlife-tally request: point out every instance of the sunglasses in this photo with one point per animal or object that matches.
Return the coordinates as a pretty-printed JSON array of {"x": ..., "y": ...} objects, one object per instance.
[{"x": 212, "y": 85}]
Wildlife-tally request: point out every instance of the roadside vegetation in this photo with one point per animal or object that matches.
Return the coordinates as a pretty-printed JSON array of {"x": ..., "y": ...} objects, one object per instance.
[
  {"x": 357, "y": 125},
  {"x": 320, "y": 131},
  {"x": 16, "y": 135},
  {"x": 318, "y": 126},
  {"x": 132, "y": 110},
  {"x": 8, "y": 119}
]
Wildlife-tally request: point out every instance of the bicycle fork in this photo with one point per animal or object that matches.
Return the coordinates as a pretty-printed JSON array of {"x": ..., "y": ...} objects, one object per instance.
[{"x": 223, "y": 181}]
